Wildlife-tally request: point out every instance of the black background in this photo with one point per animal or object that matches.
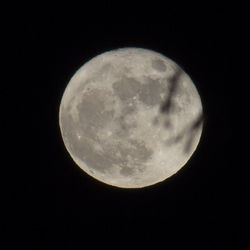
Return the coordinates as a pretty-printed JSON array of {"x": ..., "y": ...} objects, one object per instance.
[{"x": 55, "y": 205}]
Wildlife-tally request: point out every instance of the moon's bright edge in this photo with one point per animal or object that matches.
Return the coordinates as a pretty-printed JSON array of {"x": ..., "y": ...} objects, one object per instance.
[{"x": 130, "y": 117}]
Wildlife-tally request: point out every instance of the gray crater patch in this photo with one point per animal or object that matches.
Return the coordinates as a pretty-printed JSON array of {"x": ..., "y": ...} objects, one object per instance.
[
  {"x": 94, "y": 159},
  {"x": 126, "y": 88},
  {"x": 150, "y": 94},
  {"x": 83, "y": 147},
  {"x": 92, "y": 110},
  {"x": 139, "y": 152},
  {"x": 158, "y": 65},
  {"x": 125, "y": 171}
]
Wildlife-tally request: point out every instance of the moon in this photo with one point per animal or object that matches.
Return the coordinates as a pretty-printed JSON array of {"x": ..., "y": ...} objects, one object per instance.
[{"x": 130, "y": 117}]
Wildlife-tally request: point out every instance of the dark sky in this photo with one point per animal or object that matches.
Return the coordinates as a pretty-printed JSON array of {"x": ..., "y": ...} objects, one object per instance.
[{"x": 55, "y": 205}]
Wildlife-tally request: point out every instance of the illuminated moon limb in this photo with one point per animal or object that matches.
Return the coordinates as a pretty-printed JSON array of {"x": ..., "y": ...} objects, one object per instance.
[{"x": 130, "y": 117}]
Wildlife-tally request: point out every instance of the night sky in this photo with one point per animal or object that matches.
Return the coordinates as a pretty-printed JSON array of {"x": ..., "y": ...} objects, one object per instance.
[{"x": 55, "y": 205}]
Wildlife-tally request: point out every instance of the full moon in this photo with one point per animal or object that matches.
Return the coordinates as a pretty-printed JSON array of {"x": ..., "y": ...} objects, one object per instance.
[{"x": 130, "y": 117}]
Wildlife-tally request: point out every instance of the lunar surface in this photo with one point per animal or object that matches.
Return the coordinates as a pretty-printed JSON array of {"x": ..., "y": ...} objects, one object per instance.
[{"x": 130, "y": 117}]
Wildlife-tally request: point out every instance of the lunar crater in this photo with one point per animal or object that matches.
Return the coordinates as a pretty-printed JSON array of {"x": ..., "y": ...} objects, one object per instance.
[
  {"x": 92, "y": 110},
  {"x": 158, "y": 65},
  {"x": 151, "y": 92},
  {"x": 126, "y": 88}
]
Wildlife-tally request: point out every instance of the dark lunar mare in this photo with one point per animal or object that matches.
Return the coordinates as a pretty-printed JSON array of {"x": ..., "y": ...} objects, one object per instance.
[{"x": 92, "y": 117}]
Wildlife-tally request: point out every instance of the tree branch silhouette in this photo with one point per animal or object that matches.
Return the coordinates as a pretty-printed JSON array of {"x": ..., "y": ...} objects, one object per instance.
[{"x": 168, "y": 105}]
